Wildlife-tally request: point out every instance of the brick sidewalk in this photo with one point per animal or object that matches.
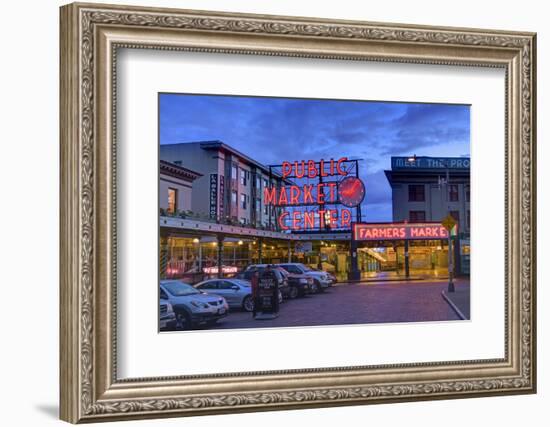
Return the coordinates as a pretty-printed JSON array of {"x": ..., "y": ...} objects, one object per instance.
[
  {"x": 461, "y": 297},
  {"x": 346, "y": 304}
]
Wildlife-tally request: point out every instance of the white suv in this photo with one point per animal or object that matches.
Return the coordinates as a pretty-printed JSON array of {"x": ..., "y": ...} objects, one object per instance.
[{"x": 321, "y": 280}]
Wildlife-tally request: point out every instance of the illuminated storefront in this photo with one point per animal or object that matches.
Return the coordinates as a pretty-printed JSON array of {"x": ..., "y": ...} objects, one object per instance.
[
  {"x": 404, "y": 249},
  {"x": 313, "y": 216}
]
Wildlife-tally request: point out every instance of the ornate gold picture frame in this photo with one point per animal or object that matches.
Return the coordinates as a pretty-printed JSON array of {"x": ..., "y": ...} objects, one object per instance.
[{"x": 91, "y": 390}]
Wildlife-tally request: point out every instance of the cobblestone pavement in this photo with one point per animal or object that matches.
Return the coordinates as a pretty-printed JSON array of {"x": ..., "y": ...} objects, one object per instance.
[{"x": 344, "y": 304}]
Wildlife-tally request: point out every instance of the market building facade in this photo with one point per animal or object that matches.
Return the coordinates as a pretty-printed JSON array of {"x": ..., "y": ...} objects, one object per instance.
[{"x": 307, "y": 211}]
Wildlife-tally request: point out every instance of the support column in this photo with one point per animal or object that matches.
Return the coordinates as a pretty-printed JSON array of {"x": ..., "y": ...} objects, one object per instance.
[
  {"x": 163, "y": 258},
  {"x": 260, "y": 244},
  {"x": 220, "y": 255},
  {"x": 451, "y": 285},
  {"x": 354, "y": 273},
  {"x": 200, "y": 256},
  {"x": 407, "y": 269}
]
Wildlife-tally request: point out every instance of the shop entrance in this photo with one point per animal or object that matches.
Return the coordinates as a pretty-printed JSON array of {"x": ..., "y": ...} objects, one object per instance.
[
  {"x": 387, "y": 259},
  {"x": 399, "y": 250}
]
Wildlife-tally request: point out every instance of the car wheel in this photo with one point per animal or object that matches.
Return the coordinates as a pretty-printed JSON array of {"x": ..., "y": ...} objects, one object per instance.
[
  {"x": 293, "y": 292},
  {"x": 183, "y": 321},
  {"x": 248, "y": 304},
  {"x": 318, "y": 287}
]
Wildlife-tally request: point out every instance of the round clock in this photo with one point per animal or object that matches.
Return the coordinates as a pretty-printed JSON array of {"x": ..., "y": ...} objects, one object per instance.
[{"x": 351, "y": 191}]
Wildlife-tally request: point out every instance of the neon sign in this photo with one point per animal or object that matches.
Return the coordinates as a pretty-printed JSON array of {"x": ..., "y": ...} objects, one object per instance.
[
  {"x": 399, "y": 231},
  {"x": 320, "y": 194},
  {"x": 226, "y": 269}
]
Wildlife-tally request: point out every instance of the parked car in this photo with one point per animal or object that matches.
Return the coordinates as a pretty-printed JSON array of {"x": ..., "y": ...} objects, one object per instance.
[
  {"x": 321, "y": 279},
  {"x": 284, "y": 286},
  {"x": 191, "y": 306},
  {"x": 298, "y": 284},
  {"x": 237, "y": 292},
  {"x": 167, "y": 317}
]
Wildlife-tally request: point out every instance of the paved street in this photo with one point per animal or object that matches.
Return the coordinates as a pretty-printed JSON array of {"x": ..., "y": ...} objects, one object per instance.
[{"x": 344, "y": 304}]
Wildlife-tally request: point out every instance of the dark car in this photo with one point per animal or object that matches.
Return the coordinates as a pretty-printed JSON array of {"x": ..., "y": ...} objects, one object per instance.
[
  {"x": 293, "y": 285},
  {"x": 284, "y": 289},
  {"x": 299, "y": 284}
]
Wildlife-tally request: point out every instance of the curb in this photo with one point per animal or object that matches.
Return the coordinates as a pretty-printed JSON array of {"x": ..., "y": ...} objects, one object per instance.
[
  {"x": 383, "y": 280},
  {"x": 453, "y": 306}
]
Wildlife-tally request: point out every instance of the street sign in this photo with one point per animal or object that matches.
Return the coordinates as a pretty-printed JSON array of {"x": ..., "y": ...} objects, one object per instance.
[{"x": 448, "y": 222}]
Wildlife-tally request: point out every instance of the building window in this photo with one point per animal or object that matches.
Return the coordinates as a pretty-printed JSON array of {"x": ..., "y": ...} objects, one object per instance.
[
  {"x": 416, "y": 193},
  {"x": 453, "y": 192},
  {"x": 172, "y": 200},
  {"x": 244, "y": 201},
  {"x": 467, "y": 191},
  {"x": 417, "y": 216},
  {"x": 468, "y": 219},
  {"x": 455, "y": 215},
  {"x": 258, "y": 182},
  {"x": 233, "y": 197},
  {"x": 266, "y": 210},
  {"x": 243, "y": 176},
  {"x": 234, "y": 172}
]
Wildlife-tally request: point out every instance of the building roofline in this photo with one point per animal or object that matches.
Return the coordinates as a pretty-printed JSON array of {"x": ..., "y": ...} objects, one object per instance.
[
  {"x": 220, "y": 145},
  {"x": 401, "y": 175},
  {"x": 178, "y": 171}
]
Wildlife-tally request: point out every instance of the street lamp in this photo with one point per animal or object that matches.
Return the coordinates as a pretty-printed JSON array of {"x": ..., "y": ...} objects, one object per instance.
[
  {"x": 445, "y": 164},
  {"x": 327, "y": 220}
]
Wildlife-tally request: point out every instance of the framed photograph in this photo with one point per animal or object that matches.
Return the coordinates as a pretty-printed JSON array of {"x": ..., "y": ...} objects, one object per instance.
[{"x": 266, "y": 213}]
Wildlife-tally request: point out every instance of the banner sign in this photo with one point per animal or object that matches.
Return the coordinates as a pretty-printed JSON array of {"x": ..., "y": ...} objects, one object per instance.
[
  {"x": 399, "y": 231},
  {"x": 222, "y": 196},
  {"x": 430, "y": 163},
  {"x": 213, "y": 195}
]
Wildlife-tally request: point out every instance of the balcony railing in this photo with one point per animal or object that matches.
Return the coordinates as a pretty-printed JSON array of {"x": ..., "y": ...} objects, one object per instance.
[{"x": 204, "y": 217}]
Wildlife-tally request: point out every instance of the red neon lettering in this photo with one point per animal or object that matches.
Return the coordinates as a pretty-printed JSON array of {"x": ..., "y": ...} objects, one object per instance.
[
  {"x": 332, "y": 194},
  {"x": 270, "y": 195},
  {"x": 346, "y": 217},
  {"x": 321, "y": 218},
  {"x": 402, "y": 232},
  {"x": 282, "y": 197},
  {"x": 308, "y": 197},
  {"x": 339, "y": 166},
  {"x": 331, "y": 167},
  {"x": 443, "y": 231},
  {"x": 375, "y": 232},
  {"x": 309, "y": 219},
  {"x": 286, "y": 169},
  {"x": 322, "y": 168},
  {"x": 295, "y": 220},
  {"x": 294, "y": 195},
  {"x": 282, "y": 221},
  {"x": 417, "y": 232},
  {"x": 429, "y": 232},
  {"x": 320, "y": 194},
  {"x": 311, "y": 169},
  {"x": 333, "y": 218},
  {"x": 303, "y": 172}
]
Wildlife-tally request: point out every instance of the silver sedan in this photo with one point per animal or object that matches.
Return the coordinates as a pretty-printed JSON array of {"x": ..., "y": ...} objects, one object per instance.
[{"x": 237, "y": 292}]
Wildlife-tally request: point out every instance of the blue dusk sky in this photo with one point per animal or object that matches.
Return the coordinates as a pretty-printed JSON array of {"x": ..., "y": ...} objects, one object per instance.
[{"x": 271, "y": 130}]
